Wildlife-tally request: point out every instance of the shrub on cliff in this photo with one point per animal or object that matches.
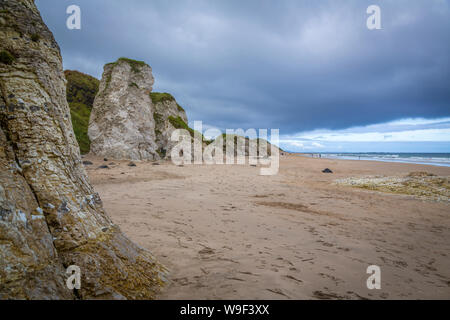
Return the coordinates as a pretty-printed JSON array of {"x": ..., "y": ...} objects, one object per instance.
[
  {"x": 81, "y": 90},
  {"x": 164, "y": 96},
  {"x": 6, "y": 57}
]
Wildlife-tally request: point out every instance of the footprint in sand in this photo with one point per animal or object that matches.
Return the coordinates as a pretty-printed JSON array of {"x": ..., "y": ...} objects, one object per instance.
[
  {"x": 293, "y": 278},
  {"x": 279, "y": 292},
  {"x": 206, "y": 251},
  {"x": 327, "y": 295}
]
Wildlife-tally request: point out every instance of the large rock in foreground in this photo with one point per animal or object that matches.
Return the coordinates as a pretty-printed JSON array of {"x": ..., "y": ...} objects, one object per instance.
[
  {"x": 121, "y": 125},
  {"x": 50, "y": 216}
]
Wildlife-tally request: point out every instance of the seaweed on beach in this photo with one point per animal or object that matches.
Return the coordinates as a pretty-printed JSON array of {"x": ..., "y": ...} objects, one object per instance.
[{"x": 421, "y": 185}]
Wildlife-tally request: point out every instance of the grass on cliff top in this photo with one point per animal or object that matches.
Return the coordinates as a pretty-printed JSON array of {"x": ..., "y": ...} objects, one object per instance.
[
  {"x": 178, "y": 123},
  {"x": 161, "y": 97},
  {"x": 135, "y": 65},
  {"x": 81, "y": 90},
  {"x": 164, "y": 96}
]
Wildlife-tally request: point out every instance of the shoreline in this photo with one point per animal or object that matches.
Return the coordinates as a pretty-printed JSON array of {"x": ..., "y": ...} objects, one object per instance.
[
  {"x": 400, "y": 160},
  {"x": 233, "y": 234}
]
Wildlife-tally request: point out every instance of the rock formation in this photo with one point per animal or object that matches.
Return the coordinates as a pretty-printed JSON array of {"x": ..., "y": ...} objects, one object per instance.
[
  {"x": 121, "y": 125},
  {"x": 168, "y": 116},
  {"x": 232, "y": 140},
  {"x": 50, "y": 216},
  {"x": 128, "y": 121}
]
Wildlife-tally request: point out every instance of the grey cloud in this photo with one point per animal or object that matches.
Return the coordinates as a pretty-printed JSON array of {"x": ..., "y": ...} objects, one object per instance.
[{"x": 293, "y": 65}]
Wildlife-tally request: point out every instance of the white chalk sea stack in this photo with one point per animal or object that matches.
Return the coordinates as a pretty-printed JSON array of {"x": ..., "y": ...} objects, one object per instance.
[{"x": 121, "y": 125}]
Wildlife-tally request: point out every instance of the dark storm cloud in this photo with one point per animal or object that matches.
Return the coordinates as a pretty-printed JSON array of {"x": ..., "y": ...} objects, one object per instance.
[{"x": 294, "y": 65}]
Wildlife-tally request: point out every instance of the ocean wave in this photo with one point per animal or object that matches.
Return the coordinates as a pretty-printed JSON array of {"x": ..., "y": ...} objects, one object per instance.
[{"x": 438, "y": 159}]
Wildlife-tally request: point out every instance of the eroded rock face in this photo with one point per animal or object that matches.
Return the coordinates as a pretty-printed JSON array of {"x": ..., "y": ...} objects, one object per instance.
[
  {"x": 50, "y": 216},
  {"x": 166, "y": 112},
  {"x": 121, "y": 125},
  {"x": 231, "y": 146},
  {"x": 29, "y": 264}
]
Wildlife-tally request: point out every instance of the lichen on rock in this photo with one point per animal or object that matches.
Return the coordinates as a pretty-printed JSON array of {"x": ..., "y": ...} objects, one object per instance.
[{"x": 50, "y": 216}]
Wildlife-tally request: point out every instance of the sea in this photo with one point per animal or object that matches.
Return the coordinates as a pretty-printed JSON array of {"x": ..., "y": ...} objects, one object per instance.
[{"x": 435, "y": 159}]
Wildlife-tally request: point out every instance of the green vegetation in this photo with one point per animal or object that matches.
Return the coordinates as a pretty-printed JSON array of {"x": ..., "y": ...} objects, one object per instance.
[
  {"x": 108, "y": 81},
  {"x": 158, "y": 118},
  {"x": 6, "y": 57},
  {"x": 180, "y": 108},
  {"x": 133, "y": 84},
  {"x": 162, "y": 152},
  {"x": 421, "y": 185},
  {"x": 80, "y": 121},
  {"x": 81, "y": 87},
  {"x": 161, "y": 97},
  {"x": 178, "y": 123},
  {"x": 35, "y": 37},
  {"x": 81, "y": 91},
  {"x": 164, "y": 96},
  {"x": 135, "y": 65}
]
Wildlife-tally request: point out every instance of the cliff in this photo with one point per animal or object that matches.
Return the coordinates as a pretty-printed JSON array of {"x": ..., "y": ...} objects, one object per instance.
[
  {"x": 168, "y": 116},
  {"x": 245, "y": 141},
  {"x": 121, "y": 125},
  {"x": 50, "y": 216},
  {"x": 128, "y": 121}
]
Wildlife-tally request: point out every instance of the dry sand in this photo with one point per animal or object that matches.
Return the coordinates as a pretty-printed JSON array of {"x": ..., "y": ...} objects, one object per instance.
[{"x": 225, "y": 232}]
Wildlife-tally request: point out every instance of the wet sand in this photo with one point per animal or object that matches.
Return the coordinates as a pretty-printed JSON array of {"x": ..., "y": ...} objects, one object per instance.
[{"x": 225, "y": 232}]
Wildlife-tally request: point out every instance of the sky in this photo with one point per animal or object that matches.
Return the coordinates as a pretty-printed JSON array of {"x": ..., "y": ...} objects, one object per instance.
[{"x": 311, "y": 69}]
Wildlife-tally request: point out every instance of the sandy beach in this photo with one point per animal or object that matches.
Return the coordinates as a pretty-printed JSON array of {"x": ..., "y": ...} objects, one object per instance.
[{"x": 225, "y": 232}]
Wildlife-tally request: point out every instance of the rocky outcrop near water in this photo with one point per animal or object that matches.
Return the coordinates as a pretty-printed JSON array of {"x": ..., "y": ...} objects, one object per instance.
[
  {"x": 168, "y": 116},
  {"x": 50, "y": 216},
  {"x": 232, "y": 144},
  {"x": 121, "y": 125},
  {"x": 128, "y": 121}
]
